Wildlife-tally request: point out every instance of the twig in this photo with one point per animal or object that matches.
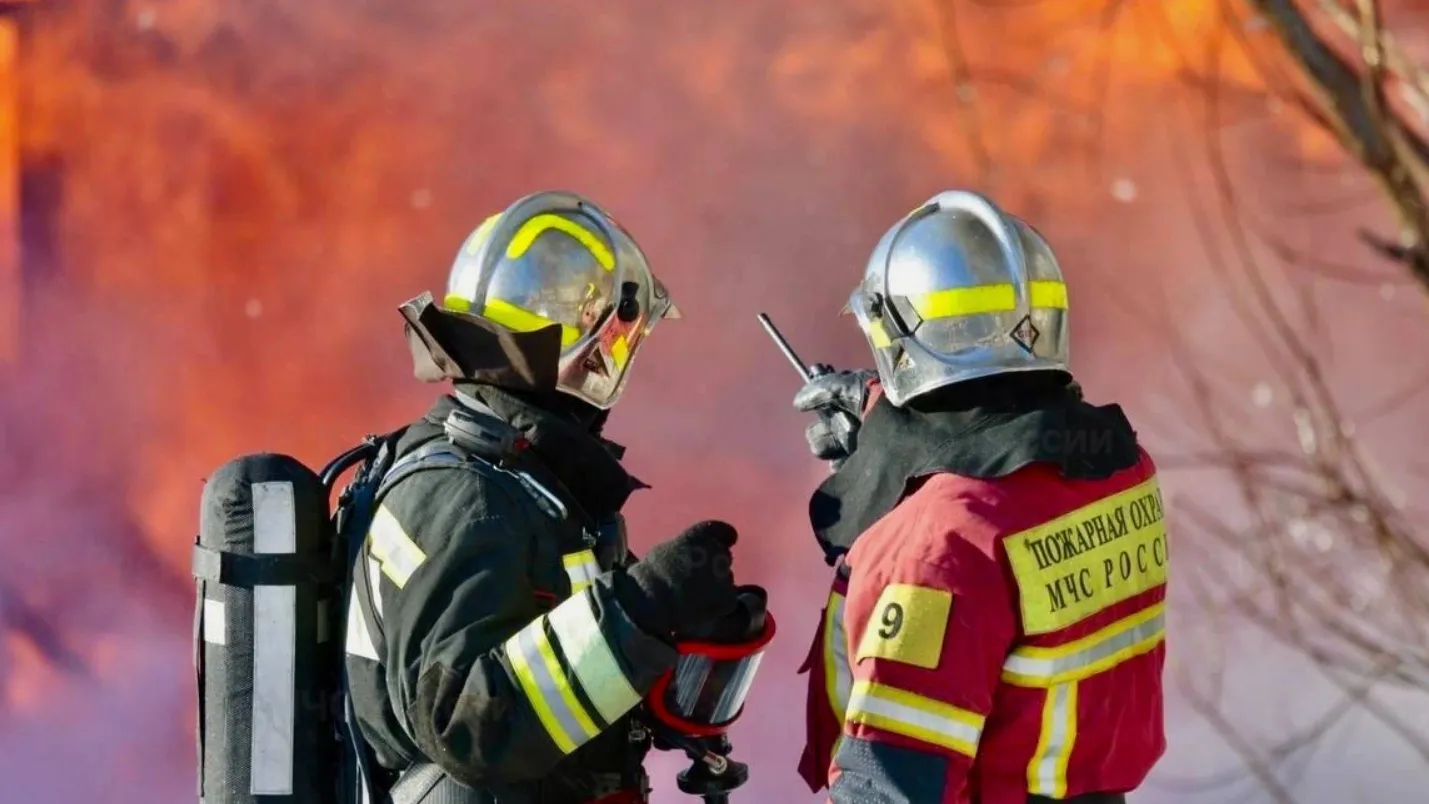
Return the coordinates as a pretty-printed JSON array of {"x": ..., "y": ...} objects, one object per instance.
[{"x": 1390, "y": 151}]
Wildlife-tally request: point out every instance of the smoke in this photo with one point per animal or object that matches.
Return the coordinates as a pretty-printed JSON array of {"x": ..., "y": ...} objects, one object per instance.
[{"x": 225, "y": 203}]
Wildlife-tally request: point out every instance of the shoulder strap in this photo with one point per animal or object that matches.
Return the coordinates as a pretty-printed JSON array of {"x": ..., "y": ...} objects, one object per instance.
[
  {"x": 355, "y": 508},
  {"x": 435, "y": 454}
]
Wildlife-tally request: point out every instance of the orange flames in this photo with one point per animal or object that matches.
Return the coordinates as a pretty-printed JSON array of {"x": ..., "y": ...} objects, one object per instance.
[
  {"x": 9, "y": 193},
  {"x": 225, "y": 202}
]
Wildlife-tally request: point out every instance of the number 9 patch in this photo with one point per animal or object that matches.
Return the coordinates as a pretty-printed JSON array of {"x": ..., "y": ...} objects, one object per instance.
[{"x": 907, "y": 625}]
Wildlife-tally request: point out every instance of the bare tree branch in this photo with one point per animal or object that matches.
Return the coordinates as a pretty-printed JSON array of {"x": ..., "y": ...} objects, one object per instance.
[{"x": 1355, "y": 106}]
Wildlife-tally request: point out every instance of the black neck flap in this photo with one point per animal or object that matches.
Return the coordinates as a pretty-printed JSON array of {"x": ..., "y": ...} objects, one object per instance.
[
  {"x": 985, "y": 434},
  {"x": 446, "y": 345}
]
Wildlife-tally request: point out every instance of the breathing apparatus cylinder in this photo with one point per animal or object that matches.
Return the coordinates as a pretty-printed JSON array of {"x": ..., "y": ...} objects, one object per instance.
[
  {"x": 696, "y": 701},
  {"x": 266, "y": 650}
]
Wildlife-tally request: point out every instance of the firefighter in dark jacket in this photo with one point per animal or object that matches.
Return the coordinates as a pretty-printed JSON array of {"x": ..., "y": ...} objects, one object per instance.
[
  {"x": 514, "y": 635},
  {"x": 995, "y": 633}
]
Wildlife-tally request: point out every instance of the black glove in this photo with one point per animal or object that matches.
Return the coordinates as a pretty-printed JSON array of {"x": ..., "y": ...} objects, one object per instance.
[
  {"x": 744, "y": 623},
  {"x": 682, "y": 584},
  {"x": 838, "y": 396}
]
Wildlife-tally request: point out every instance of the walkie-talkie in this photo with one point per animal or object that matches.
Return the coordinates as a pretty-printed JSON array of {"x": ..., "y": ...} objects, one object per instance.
[{"x": 841, "y": 422}]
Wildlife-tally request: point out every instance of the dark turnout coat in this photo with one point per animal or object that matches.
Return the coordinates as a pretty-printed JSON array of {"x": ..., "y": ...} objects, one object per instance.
[{"x": 501, "y": 653}]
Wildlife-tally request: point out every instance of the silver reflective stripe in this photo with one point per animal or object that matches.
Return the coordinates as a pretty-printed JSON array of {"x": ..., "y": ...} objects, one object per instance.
[
  {"x": 359, "y": 637},
  {"x": 838, "y": 676},
  {"x": 275, "y": 530},
  {"x": 591, "y": 660},
  {"x": 548, "y": 697},
  {"x": 915, "y": 716},
  {"x": 582, "y": 569},
  {"x": 1131, "y": 636},
  {"x": 838, "y": 647},
  {"x": 1047, "y": 774},
  {"x": 215, "y": 626},
  {"x": 374, "y": 578}
]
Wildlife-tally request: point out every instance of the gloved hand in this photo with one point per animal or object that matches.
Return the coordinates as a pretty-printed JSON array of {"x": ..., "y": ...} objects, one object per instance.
[
  {"x": 838, "y": 396},
  {"x": 682, "y": 584},
  {"x": 741, "y": 624}
]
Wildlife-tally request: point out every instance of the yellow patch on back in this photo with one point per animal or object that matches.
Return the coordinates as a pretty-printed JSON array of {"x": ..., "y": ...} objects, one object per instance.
[
  {"x": 1094, "y": 557},
  {"x": 907, "y": 626}
]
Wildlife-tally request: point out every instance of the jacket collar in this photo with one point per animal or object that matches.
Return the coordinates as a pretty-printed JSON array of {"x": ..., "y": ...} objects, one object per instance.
[
  {"x": 587, "y": 465},
  {"x": 982, "y": 433}
]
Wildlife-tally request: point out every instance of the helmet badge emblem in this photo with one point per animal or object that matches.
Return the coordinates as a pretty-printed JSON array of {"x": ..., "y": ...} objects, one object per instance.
[{"x": 1025, "y": 334}]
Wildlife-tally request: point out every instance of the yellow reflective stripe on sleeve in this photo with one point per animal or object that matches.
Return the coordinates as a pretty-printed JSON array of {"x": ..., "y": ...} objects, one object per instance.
[
  {"x": 398, "y": 555},
  {"x": 837, "y": 676},
  {"x": 563, "y": 686},
  {"x": 1047, "y": 772},
  {"x": 1126, "y": 638},
  {"x": 581, "y": 568},
  {"x": 513, "y": 317},
  {"x": 532, "y": 229},
  {"x": 591, "y": 660},
  {"x": 900, "y": 712},
  {"x": 1042, "y": 294},
  {"x": 545, "y": 685}
]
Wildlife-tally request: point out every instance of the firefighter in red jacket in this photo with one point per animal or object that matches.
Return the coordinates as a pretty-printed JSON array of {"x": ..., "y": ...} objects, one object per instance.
[{"x": 996, "y": 629}]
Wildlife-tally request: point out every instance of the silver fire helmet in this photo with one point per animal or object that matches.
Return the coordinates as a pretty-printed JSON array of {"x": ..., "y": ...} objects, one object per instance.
[
  {"x": 556, "y": 259},
  {"x": 956, "y": 290}
]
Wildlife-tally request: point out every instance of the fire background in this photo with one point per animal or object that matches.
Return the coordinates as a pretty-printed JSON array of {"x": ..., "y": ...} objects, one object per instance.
[{"x": 210, "y": 210}]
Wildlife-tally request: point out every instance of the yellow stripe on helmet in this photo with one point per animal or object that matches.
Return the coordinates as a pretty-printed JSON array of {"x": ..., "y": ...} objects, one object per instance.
[
  {"x": 1042, "y": 293},
  {"x": 877, "y": 334},
  {"x": 1048, "y": 293},
  {"x": 511, "y": 316},
  {"x": 620, "y": 351},
  {"x": 536, "y": 226}
]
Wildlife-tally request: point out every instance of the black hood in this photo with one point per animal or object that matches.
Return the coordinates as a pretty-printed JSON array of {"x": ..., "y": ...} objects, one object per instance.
[
  {"x": 565, "y": 441},
  {"x": 983, "y": 429}
]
